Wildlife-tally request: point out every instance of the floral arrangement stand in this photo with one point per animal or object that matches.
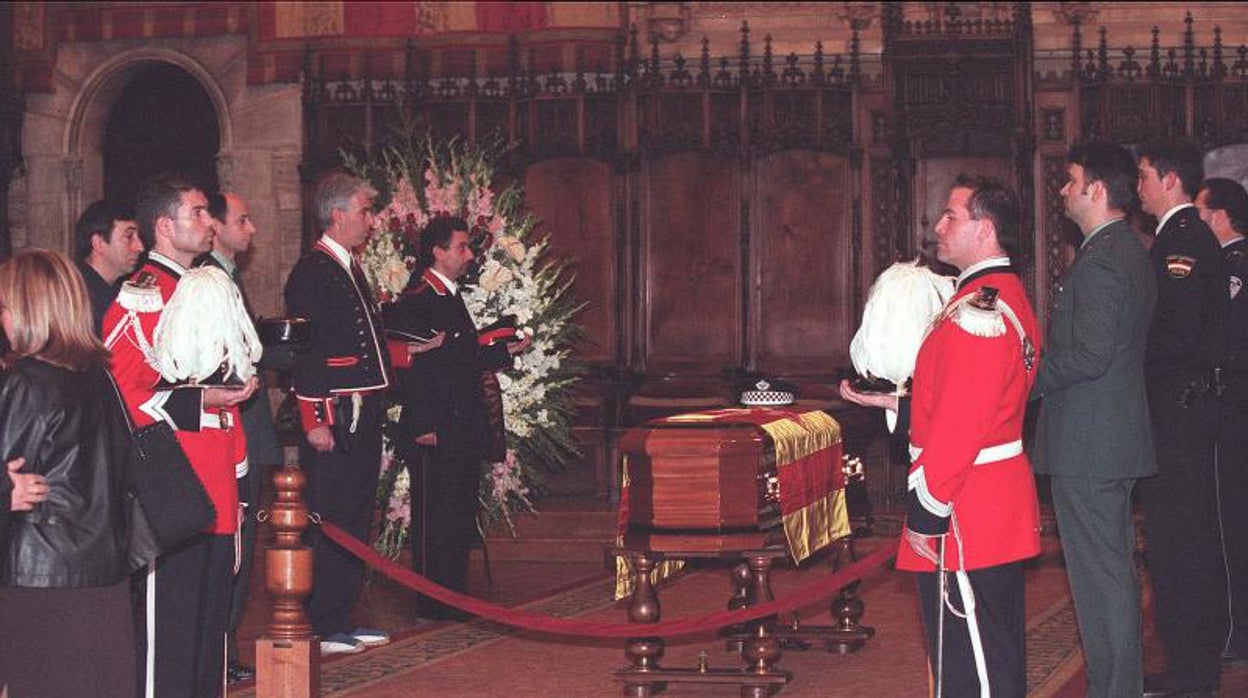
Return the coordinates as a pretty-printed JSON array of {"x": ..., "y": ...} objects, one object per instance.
[{"x": 418, "y": 179}]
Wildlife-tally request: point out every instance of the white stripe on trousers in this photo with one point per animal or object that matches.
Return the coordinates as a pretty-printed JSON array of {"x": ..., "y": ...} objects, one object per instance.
[
  {"x": 150, "y": 622},
  {"x": 972, "y": 629}
]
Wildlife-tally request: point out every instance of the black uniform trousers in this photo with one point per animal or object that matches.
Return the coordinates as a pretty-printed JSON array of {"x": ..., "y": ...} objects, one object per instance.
[
  {"x": 993, "y": 641},
  {"x": 1232, "y": 473},
  {"x": 342, "y": 488},
  {"x": 444, "y": 486},
  {"x": 191, "y": 599},
  {"x": 1185, "y": 562},
  {"x": 249, "y": 494}
]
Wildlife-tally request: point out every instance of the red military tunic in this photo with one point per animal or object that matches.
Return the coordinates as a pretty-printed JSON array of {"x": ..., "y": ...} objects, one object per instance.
[
  {"x": 970, "y": 394},
  {"x": 214, "y": 440}
]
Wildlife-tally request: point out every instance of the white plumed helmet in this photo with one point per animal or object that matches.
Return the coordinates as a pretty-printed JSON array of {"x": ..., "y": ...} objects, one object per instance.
[
  {"x": 204, "y": 329},
  {"x": 901, "y": 305}
]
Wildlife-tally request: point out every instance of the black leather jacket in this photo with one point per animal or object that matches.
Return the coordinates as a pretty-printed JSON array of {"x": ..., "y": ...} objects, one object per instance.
[{"x": 70, "y": 429}]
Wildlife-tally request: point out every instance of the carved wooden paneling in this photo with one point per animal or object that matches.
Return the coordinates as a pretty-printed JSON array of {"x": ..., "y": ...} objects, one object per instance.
[
  {"x": 1133, "y": 112},
  {"x": 793, "y": 116},
  {"x": 341, "y": 127},
  {"x": 556, "y": 128},
  {"x": 885, "y": 218},
  {"x": 1060, "y": 233},
  {"x": 447, "y": 119},
  {"x": 491, "y": 118},
  {"x": 572, "y": 198},
  {"x": 670, "y": 121},
  {"x": 601, "y": 126},
  {"x": 725, "y": 122},
  {"x": 800, "y": 247},
  {"x": 1221, "y": 113},
  {"x": 691, "y": 304}
]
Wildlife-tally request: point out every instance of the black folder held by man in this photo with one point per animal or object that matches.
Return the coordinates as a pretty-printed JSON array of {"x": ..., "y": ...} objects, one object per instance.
[{"x": 501, "y": 330}]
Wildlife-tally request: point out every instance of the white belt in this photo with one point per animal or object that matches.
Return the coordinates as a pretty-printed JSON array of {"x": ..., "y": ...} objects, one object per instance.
[
  {"x": 215, "y": 420},
  {"x": 992, "y": 454}
]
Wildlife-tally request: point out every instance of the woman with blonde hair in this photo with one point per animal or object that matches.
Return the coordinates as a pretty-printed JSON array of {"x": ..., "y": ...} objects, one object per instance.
[{"x": 64, "y": 593}]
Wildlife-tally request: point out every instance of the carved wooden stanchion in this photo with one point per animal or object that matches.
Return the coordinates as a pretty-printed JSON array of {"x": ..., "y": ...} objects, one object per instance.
[
  {"x": 643, "y": 652},
  {"x": 288, "y": 656},
  {"x": 844, "y": 636},
  {"x": 643, "y": 677}
]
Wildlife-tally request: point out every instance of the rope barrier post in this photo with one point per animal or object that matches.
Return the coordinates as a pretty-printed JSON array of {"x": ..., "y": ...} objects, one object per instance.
[
  {"x": 288, "y": 656},
  {"x": 643, "y": 652},
  {"x": 849, "y": 634}
]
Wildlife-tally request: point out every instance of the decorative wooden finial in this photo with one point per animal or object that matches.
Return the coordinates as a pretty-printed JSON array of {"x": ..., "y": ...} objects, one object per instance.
[
  {"x": 288, "y": 656},
  {"x": 288, "y": 568}
]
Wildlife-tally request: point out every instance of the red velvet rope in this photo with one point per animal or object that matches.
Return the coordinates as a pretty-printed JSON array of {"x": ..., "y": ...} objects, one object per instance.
[{"x": 692, "y": 625}]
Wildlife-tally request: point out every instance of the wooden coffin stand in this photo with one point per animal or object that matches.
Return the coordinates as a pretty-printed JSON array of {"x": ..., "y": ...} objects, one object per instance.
[{"x": 703, "y": 491}]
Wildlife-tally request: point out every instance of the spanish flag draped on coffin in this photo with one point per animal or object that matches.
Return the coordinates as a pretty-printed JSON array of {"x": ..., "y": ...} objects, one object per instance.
[{"x": 731, "y": 479}]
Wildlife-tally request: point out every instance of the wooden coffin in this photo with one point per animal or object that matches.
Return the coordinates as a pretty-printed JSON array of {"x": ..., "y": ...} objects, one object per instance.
[{"x": 700, "y": 487}]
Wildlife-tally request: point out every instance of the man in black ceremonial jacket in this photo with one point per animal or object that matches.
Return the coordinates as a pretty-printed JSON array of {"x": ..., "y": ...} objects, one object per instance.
[
  {"x": 444, "y": 426},
  {"x": 339, "y": 379}
]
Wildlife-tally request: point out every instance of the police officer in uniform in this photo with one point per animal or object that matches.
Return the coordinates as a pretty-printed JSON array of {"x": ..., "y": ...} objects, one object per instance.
[
  {"x": 444, "y": 428},
  {"x": 1185, "y": 345},
  {"x": 338, "y": 381},
  {"x": 1223, "y": 206}
]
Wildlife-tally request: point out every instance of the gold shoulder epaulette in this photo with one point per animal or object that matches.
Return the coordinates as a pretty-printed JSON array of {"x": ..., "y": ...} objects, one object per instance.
[
  {"x": 979, "y": 315},
  {"x": 141, "y": 294}
]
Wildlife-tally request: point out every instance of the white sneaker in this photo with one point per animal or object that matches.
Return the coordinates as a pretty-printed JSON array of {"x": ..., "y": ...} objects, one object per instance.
[
  {"x": 369, "y": 637},
  {"x": 341, "y": 643}
]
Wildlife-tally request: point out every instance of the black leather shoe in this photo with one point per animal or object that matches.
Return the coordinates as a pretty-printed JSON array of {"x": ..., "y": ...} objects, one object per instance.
[{"x": 237, "y": 673}]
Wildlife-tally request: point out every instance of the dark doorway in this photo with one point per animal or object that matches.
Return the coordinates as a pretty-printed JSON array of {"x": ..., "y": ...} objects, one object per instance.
[{"x": 163, "y": 121}]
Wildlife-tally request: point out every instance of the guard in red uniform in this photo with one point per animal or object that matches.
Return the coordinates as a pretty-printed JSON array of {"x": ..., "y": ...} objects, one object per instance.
[
  {"x": 188, "y": 588},
  {"x": 973, "y": 515}
]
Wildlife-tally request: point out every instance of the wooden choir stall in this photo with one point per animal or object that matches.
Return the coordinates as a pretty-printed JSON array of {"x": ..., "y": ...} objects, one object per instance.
[{"x": 748, "y": 486}]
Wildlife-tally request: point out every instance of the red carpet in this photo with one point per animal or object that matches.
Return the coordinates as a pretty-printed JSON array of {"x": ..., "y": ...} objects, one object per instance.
[{"x": 480, "y": 659}]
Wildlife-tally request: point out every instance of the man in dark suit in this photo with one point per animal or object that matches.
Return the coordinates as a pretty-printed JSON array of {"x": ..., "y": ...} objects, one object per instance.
[
  {"x": 1186, "y": 343},
  {"x": 1223, "y": 206},
  {"x": 107, "y": 247},
  {"x": 338, "y": 380},
  {"x": 444, "y": 425},
  {"x": 231, "y": 221},
  {"x": 1093, "y": 436}
]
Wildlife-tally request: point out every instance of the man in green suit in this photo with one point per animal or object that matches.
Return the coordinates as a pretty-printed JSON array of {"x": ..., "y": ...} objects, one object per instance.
[{"x": 1094, "y": 437}]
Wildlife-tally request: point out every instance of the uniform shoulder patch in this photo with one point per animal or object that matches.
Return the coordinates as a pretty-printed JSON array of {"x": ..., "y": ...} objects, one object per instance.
[
  {"x": 979, "y": 315},
  {"x": 1179, "y": 266},
  {"x": 141, "y": 294}
]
